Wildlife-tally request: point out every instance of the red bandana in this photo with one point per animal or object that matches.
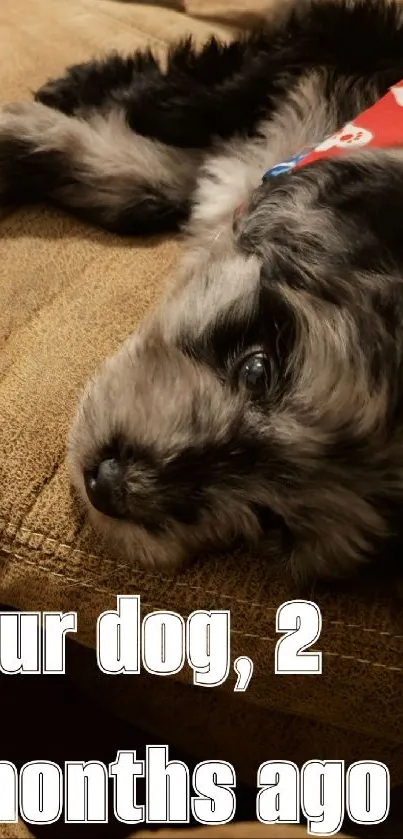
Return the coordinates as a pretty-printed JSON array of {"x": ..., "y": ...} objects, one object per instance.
[{"x": 380, "y": 126}]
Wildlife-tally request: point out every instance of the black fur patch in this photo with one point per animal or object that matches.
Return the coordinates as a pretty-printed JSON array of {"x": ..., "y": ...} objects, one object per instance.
[
  {"x": 270, "y": 327},
  {"x": 95, "y": 83}
]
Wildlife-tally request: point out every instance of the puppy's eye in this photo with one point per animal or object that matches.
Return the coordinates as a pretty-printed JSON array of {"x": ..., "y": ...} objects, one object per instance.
[{"x": 253, "y": 373}]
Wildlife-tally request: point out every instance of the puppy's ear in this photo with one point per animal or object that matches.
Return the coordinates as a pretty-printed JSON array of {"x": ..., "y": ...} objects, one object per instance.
[{"x": 254, "y": 220}]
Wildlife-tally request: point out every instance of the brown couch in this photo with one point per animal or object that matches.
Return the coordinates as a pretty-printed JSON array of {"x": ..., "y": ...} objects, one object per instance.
[{"x": 69, "y": 293}]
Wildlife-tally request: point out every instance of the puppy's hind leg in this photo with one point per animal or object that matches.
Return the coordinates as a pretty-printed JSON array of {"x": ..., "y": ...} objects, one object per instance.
[
  {"x": 98, "y": 168},
  {"x": 97, "y": 83}
]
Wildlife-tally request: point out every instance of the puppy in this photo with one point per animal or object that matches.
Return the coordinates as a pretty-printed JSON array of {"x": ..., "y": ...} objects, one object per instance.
[{"x": 263, "y": 399}]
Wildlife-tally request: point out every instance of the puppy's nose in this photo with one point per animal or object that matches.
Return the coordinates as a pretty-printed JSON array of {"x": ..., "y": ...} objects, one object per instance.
[{"x": 103, "y": 486}]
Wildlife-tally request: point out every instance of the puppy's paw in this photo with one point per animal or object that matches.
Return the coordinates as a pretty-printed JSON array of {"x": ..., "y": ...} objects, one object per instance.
[
  {"x": 59, "y": 94},
  {"x": 15, "y": 109},
  {"x": 12, "y": 113},
  {"x": 24, "y": 121},
  {"x": 13, "y": 118},
  {"x": 26, "y": 128},
  {"x": 29, "y": 114}
]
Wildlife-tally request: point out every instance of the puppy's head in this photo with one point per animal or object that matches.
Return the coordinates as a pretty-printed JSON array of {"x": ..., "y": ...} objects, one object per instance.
[{"x": 262, "y": 398}]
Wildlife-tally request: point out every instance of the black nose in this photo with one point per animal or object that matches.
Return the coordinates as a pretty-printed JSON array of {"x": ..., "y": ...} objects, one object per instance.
[{"x": 104, "y": 487}]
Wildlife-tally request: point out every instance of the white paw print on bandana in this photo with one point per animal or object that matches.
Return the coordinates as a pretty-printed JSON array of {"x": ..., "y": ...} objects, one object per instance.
[
  {"x": 398, "y": 94},
  {"x": 350, "y": 135}
]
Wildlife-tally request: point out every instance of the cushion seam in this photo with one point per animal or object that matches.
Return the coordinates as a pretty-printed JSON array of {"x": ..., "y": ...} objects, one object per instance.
[
  {"x": 366, "y": 661},
  {"x": 133, "y": 27},
  {"x": 54, "y": 544},
  {"x": 210, "y": 26},
  {"x": 14, "y": 556}
]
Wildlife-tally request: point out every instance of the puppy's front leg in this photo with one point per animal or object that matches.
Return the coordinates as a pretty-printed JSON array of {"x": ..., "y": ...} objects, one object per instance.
[{"x": 98, "y": 169}]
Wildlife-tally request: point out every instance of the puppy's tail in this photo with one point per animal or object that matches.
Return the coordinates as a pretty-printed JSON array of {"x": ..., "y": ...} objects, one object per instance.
[{"x": 98, "y": 168}]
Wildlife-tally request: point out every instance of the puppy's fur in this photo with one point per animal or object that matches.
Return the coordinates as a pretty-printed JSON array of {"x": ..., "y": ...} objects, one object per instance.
[{"x": 202, "y": 448}]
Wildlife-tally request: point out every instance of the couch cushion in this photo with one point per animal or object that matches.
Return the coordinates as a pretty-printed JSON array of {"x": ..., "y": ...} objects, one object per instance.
[{"x": 68, "y": 295}]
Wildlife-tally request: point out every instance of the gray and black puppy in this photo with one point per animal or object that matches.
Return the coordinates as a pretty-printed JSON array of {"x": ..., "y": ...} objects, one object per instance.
[{"x": 264, "y": 397}]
